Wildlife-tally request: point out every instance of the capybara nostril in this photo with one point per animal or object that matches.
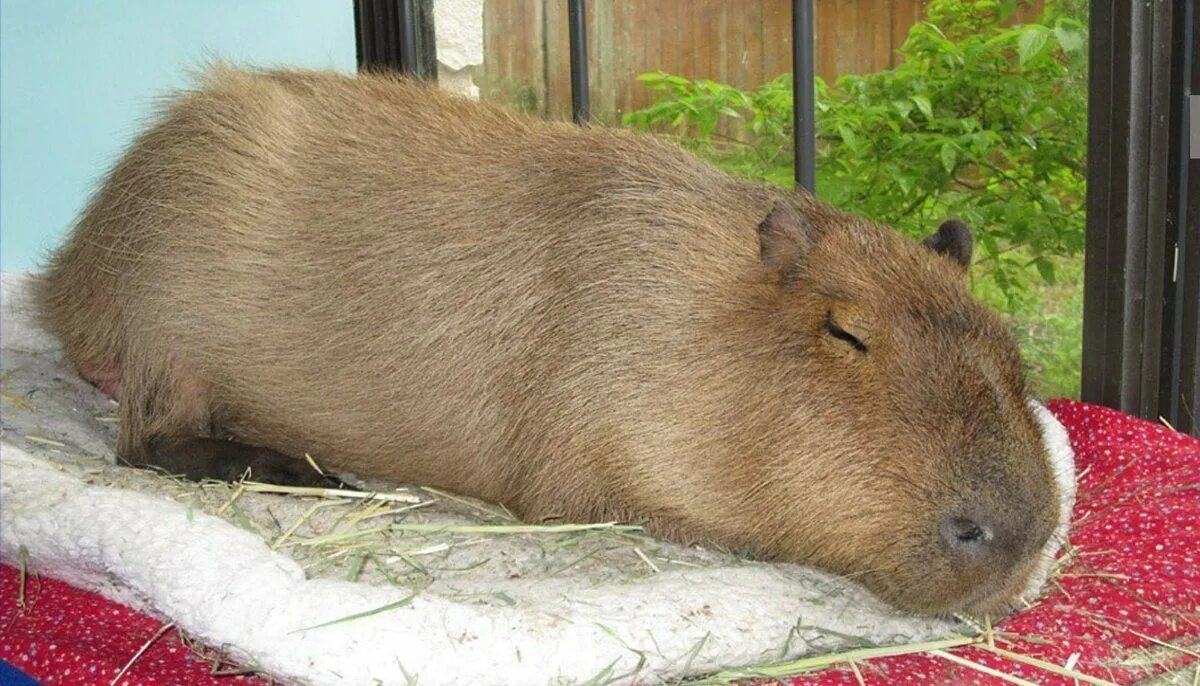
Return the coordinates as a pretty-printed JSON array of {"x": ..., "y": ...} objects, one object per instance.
[{"x": 972, "y": 537}]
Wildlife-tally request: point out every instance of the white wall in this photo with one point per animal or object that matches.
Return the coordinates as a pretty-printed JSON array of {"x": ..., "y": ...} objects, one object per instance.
[{"x": 459, "y": 27}]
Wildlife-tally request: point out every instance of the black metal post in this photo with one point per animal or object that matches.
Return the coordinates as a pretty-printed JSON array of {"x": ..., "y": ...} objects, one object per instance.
[
  {"x": 360, "y": 47},
  {"x": 396, "y": 34},
  {"x": 580, "y": 104},
  {"x": 408, "y": 35},
  {"x": 804, "y": 95},
  {"x": 1140, "y": 280},
  {"x": 1184, "y": 223}
]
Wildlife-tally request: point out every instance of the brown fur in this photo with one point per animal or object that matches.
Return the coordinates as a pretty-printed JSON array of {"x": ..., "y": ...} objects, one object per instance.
[{"x": 579, "y": 323}]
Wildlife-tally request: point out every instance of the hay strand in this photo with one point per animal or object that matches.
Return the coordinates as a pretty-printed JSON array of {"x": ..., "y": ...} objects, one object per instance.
[
  {"x": 237, "y": 493},
  {"x": 313, "y": 463},
  {"x": 808, "y": 664},
  {"x": 483, "y": 529},
  {"x": 145, "y": 646},
  {"x": 653, "y": 567},
  {"x": 981, "y": 668},
  {"x": 512, "y": 529},
  {"x": 359, "y": 615},
  {"x": 313, "y": 491},
  {"x": 1048, "y": 666},
  {"x": 501, "y": 513},
  {"x": 22, "y": 575},
  {"x": 298, "y": 523},
  {"x": 1164, "y": 644},
  {"x": 858, "y": 677},
  {"x": 44, "y": 441}
]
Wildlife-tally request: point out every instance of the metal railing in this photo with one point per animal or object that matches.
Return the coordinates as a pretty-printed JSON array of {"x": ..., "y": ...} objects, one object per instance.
[
  {"x": 398, "y": 34},
  {"x": 580, "y": 96}
]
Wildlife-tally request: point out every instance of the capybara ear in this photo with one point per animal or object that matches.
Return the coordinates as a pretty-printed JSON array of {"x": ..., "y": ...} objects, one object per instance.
[
  {"x": 783, "y": 239},
  {"x": 953, "y": 239}
]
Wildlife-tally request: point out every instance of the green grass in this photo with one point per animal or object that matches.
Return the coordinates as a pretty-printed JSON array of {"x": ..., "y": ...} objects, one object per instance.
[{"x": 1050, "y": 330}]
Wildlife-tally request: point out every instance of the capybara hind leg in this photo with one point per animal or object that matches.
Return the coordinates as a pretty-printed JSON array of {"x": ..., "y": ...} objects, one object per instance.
[
  {"x": 165, "y": 424},
  {"x": 164, "y": 402},
  {"x": 213, "y": 458}
]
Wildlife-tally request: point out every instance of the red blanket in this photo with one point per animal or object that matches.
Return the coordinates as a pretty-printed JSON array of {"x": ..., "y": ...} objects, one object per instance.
[{"x": 1133, "y": 583}]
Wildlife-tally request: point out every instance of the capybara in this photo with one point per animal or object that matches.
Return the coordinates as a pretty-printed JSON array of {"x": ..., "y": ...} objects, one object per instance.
[{"x": 579, "y": 323}]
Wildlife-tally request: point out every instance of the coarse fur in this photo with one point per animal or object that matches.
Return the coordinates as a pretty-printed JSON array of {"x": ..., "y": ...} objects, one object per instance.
[{"x": 580, "y": 323}]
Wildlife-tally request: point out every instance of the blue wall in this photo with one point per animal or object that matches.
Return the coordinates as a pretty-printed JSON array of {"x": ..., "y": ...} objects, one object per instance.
[{"x": 77, "y": 77}]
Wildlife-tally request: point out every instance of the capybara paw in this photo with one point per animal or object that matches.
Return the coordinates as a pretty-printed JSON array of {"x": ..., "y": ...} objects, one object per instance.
[
  {"x": 212, "y": 458},
  {"x": 279, "y": 469}
]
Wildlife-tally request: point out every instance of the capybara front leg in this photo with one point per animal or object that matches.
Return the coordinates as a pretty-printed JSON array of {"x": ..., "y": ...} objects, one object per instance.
[{"x": 213, "y": 458}]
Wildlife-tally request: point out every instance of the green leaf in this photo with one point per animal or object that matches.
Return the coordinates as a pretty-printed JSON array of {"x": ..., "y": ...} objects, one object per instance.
[
  {"x": 1005, "y": 9},
  {"x": 1046, "y": 269},
  {"x": 949, "y": 157},
  {"x": 1030, "y": 44},
  {"x": 1001, "y": 38},
  {"x": 924, "y": 105},
  {"x": 1070, "y": 41},
  {"x": 848, "y": 136}
]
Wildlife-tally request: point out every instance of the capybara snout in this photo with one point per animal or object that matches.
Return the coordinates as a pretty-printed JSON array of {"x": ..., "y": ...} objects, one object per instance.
[{"x": 577, "y": 322}]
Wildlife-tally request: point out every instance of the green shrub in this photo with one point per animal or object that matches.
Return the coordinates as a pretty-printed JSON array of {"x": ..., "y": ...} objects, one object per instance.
[{"x": 981, "y": 120}]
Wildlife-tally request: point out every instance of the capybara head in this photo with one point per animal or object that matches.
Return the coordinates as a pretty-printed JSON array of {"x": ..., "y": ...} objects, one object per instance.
[{"x": 935, "y": 489}]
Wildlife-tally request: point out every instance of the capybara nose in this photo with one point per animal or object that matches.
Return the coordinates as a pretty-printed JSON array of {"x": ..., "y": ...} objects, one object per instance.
[{"x": 973, "y": 537}]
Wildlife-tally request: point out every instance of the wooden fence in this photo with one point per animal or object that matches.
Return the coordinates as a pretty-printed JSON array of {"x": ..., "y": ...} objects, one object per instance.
[{"x": 741, "y": 42}]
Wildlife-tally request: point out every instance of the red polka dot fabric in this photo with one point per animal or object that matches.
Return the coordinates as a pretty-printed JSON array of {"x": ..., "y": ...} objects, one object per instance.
[
  {"x": 1132, "y": 583},
  {"x": 68, "y": 637}
]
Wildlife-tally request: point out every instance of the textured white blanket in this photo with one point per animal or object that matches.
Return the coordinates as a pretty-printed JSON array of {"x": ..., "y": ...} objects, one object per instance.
[{"x": 448, "y": 591}]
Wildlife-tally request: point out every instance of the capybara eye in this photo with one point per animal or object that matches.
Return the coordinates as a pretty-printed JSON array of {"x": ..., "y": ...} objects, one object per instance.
[{"x": 832, "y": 328}]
